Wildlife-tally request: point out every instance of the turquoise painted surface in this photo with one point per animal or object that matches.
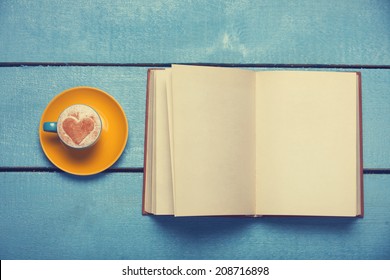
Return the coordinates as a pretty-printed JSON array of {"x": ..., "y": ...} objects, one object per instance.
[
  {"x": 53, "y": 215},
  {"x": 153, "y": 31},
  {"x": 26, "y": 91},
  {"x": 58, "y": 216}
]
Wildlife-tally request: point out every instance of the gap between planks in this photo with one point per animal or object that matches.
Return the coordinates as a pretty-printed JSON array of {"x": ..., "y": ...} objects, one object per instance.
[
  {"x": 54, "y": 169},
  {"x": 238, "y": 65},
  {"x": 366, "y": 171}
]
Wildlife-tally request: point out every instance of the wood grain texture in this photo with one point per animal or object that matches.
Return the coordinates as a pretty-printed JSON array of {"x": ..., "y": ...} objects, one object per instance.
[
  {"x": 53, "y": 215},
  {"x": 234, "y": 31},
  {"x": 59, "y": 216},
  {"x": 26, "y": 91},
  {"x": 376, "y": 118}
]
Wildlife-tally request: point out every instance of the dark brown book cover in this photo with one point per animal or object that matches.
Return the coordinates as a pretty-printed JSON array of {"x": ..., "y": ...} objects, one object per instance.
[{"x": 359, "y": 75}]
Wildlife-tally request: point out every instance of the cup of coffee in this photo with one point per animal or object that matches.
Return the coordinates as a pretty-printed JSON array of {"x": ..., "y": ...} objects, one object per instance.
[{"x": 79, "y": 126}]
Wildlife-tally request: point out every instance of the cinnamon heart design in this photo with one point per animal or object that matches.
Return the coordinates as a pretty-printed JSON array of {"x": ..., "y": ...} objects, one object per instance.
[{"x": 78, "y": 130}]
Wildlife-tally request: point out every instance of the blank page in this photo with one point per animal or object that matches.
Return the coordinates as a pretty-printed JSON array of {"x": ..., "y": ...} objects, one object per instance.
[
  {"x": 213, "y": 113},
  {"x": 148, "y": 205},
  {"x": 306, "y": 139},
  {"x": 163, "y": 173}
]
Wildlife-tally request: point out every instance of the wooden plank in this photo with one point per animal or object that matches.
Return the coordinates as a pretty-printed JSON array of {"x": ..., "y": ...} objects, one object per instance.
[
  {"x": 148, "y": 31},
  {"x": 376, "y": 118},
  {"x": 26, "y": 91},
  {"x": 58, "y": 216}
]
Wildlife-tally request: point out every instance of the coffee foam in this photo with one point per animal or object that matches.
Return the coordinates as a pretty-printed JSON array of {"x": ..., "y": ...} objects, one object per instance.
[{"x": 83, "y": 135}]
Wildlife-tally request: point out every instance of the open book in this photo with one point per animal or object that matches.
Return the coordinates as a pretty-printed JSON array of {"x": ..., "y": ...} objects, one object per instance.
[{"x": 227, "y": 141}]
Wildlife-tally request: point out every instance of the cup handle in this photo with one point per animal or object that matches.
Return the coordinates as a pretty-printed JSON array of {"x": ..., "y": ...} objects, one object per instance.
[{"x": 50, "y": 126}]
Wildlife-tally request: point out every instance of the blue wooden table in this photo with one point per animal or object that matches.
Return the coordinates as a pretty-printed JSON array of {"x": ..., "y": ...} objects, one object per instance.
[{"x": 48, "y": 46}]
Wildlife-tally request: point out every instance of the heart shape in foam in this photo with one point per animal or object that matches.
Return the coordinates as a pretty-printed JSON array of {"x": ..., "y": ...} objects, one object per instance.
[{"x": 78, "y": 130}]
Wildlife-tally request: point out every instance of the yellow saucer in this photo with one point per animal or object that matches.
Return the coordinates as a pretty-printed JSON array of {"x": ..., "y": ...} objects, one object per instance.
[{"x": 108, "y": 148}]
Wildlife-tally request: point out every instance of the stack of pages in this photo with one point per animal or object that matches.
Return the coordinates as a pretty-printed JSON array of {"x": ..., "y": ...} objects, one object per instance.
[{"x": 226, "y": 141}]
